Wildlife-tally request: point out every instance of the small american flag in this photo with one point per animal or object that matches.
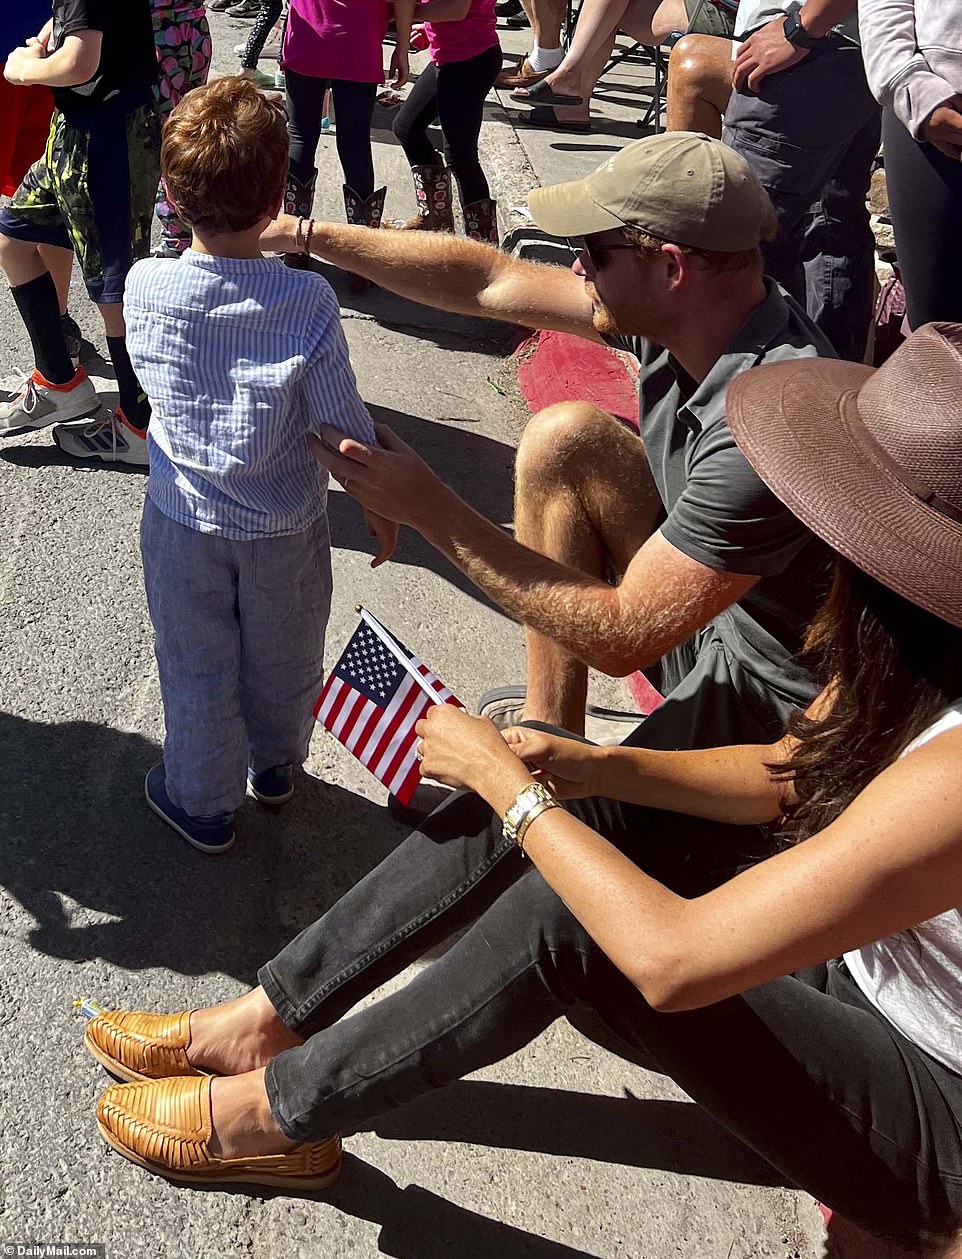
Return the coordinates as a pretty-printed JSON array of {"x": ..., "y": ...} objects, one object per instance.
[{"x": 372, "y": 700}]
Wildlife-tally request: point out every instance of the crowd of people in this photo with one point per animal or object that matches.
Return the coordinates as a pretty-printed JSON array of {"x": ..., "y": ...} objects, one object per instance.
[{"x": 759, "y": 887}]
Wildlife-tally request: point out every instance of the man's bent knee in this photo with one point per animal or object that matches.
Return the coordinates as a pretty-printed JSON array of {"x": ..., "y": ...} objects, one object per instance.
[
  {"x": 556, "y": 433},
  {"x": 566, "y": 445},
  {"x": 694, "y": 61}
]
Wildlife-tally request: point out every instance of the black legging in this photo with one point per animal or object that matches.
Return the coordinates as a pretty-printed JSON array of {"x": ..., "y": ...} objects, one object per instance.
[
  {"x": 925, "y": 198},
  {"x": 354, "y": 106},
  {"x": 263, "y": 25},
  {"x": 452, "y": 94}
]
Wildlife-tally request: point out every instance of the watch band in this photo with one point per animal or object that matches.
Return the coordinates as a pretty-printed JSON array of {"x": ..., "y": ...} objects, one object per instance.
[
  {"x": 795, "y": 32},
  {"x": 530, "y": 803}
]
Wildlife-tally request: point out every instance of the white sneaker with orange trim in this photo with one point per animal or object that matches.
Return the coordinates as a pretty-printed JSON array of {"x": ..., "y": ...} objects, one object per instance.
[
  {"x": 110, "y": 437},
  {"x": 39, "y": 403}
]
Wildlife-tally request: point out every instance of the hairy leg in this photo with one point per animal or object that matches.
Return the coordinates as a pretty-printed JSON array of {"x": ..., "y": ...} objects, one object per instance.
[
  {"x": 699, "y": 84},
  {"x": 546, "y": 18},
  {"x": 584, "y": 496}
]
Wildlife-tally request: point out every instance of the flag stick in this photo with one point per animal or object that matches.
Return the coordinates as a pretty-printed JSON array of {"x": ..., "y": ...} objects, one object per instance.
[{"x": 398, "y": 654}]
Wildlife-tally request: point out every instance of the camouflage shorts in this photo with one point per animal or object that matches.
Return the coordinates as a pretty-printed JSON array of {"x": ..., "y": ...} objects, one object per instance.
[{"x": 93, "y": 192}]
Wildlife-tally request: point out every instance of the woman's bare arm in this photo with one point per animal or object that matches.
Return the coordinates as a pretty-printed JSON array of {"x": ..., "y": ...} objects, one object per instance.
[{"x": 891, "y": 860}]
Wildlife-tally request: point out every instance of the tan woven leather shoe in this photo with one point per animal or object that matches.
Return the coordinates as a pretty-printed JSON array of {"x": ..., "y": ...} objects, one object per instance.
[
  {"x": 523, "y": 75},
  {"x": 165, "y": 1125},
  {"x": 136, "y": 1045}
]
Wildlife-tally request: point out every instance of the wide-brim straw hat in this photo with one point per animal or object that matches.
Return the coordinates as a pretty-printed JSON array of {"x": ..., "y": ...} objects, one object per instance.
[{"x": 870, "y": 460}]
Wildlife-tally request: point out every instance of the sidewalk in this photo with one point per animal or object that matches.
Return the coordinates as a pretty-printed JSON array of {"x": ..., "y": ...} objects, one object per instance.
[{"x": 520, "y": 157}]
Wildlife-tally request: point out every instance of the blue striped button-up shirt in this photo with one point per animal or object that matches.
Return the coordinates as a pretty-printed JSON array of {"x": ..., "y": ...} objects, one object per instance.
[{"x": 241, "y": 359}]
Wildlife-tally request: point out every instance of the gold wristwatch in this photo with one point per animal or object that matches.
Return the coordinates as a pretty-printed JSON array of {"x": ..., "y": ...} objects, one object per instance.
[{"x": 530, "y": 803}]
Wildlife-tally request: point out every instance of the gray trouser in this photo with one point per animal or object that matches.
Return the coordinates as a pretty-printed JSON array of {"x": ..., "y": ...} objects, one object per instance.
[
  {"x": 810, "y": 134},
  {"x": 239, "y": 632}
]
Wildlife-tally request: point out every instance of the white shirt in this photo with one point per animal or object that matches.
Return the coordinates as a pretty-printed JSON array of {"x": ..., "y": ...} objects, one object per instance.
[
  {"x": 915, "y": 978},
  {"x": 755, "y": 13}
]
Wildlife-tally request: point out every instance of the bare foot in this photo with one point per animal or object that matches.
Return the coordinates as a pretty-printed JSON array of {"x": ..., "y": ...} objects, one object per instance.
[
  {"x": 563, "y": 82},
  {"x": 241, "y": 1119},
  {"x": 238, "y": 1036},
  {"x": 572, "y": 113}
]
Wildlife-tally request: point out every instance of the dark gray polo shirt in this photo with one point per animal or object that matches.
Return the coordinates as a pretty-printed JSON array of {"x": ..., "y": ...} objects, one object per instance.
[{"x": 717, "y": 509}]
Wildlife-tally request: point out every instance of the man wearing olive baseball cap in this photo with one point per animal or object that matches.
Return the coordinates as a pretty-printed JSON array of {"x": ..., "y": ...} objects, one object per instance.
[
  {"x": 679, "y": 186},
  {"x": 669, "y": 555}
]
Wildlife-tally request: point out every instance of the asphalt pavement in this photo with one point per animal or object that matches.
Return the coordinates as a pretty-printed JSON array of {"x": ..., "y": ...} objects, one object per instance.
[{"x": 562, "y": 1151}]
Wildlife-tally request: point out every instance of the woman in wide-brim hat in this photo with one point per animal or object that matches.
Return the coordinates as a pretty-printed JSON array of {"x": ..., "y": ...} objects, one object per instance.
[{"x": 812, "y": 1002}]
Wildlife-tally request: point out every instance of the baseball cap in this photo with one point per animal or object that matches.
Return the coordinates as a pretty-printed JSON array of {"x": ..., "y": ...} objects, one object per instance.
[{"x": 680, "y": 186}]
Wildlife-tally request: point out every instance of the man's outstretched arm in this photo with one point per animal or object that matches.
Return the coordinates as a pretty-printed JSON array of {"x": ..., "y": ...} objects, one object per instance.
[
  {"x": 450, "y": 273},
  {"x": 664, "y": 597}
]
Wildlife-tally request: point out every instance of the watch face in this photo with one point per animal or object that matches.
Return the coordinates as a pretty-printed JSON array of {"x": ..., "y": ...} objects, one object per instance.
[{"x": 796, "y": 33}]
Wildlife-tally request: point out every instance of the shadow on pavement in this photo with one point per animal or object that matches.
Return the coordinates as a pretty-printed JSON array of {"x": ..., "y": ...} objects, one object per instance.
[
  {"x": 80, "y": 846},
  {"x": 479, "y": 468},
  {"x": 669, "y": 1135},
  {"x": 427, "y": 323},
  {"x": 51, "y": 456},
  {"x": 415, "y": 1223}
]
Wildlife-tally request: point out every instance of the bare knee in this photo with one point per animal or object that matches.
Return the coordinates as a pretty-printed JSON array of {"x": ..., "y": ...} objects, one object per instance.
[
  {"x": 15, "y": 252},
  {"x": 560, "y": 440},
  {"x": 702, "y": 64},
  {"x": 670, "y": 16},
  {"x": 688, "y": 65}
]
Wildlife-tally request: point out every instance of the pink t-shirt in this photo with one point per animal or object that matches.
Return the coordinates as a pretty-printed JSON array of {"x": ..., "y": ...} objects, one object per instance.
[
  {"x": 336, "y": 39},
  {"x": 457, "y": 41}
]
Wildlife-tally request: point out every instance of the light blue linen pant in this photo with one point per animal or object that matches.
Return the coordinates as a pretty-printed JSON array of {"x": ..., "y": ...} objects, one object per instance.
[{"x": 239, "y": 638}]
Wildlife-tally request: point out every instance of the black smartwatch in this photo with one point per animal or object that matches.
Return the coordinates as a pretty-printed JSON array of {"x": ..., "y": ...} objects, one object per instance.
[{"x": 795, "y": 32}]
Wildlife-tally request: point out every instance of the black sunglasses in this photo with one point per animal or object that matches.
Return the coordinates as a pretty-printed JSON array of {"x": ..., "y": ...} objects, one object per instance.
[{"x": 599, "y": 252}]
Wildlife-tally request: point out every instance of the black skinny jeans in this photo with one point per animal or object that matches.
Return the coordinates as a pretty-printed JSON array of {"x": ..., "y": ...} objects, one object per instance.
[
  {"x": 452, "y": 94},
  {"x": 802, "y": 1069},
  {"x": 354, "y": 106},
  {"x": 925, "y": 198}
]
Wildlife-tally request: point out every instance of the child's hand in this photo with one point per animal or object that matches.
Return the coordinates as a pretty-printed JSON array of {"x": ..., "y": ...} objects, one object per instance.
[
  {"x": 400, "y": 70},
  {"x": 386, "y": 532}
]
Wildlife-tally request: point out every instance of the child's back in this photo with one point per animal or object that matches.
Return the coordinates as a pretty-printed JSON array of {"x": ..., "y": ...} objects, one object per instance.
[{"x": 242, "y": 358}]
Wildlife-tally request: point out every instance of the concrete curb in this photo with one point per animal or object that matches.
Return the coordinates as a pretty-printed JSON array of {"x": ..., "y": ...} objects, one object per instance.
[{"x": 508, "y": 168}]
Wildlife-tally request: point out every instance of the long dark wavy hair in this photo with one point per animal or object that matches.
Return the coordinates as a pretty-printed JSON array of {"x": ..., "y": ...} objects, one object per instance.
[{"x": 891, "y": 668}]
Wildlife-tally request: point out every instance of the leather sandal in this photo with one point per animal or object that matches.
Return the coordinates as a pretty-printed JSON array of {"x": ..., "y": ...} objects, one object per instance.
[
  {"x": 523, "y": 75},
  {"x": 544, "y": 94},
  {"x": 165, "y": 1126},
  {"x": 136, "y": 1045}
]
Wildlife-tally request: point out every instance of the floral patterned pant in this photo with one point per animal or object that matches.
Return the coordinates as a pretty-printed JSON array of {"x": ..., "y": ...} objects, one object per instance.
[{"x": 183, "y": 54}]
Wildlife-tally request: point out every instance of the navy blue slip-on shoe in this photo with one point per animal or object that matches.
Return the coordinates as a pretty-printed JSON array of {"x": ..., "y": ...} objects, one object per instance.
[
  {"x": 272, "y": 786},
  {"x": 208, "y": 834}
]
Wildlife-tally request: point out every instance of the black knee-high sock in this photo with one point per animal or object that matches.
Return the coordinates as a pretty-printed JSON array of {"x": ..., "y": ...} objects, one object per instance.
[
  {"x": 133, "y": 400},
  {"x": 39, "y": 309}
]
